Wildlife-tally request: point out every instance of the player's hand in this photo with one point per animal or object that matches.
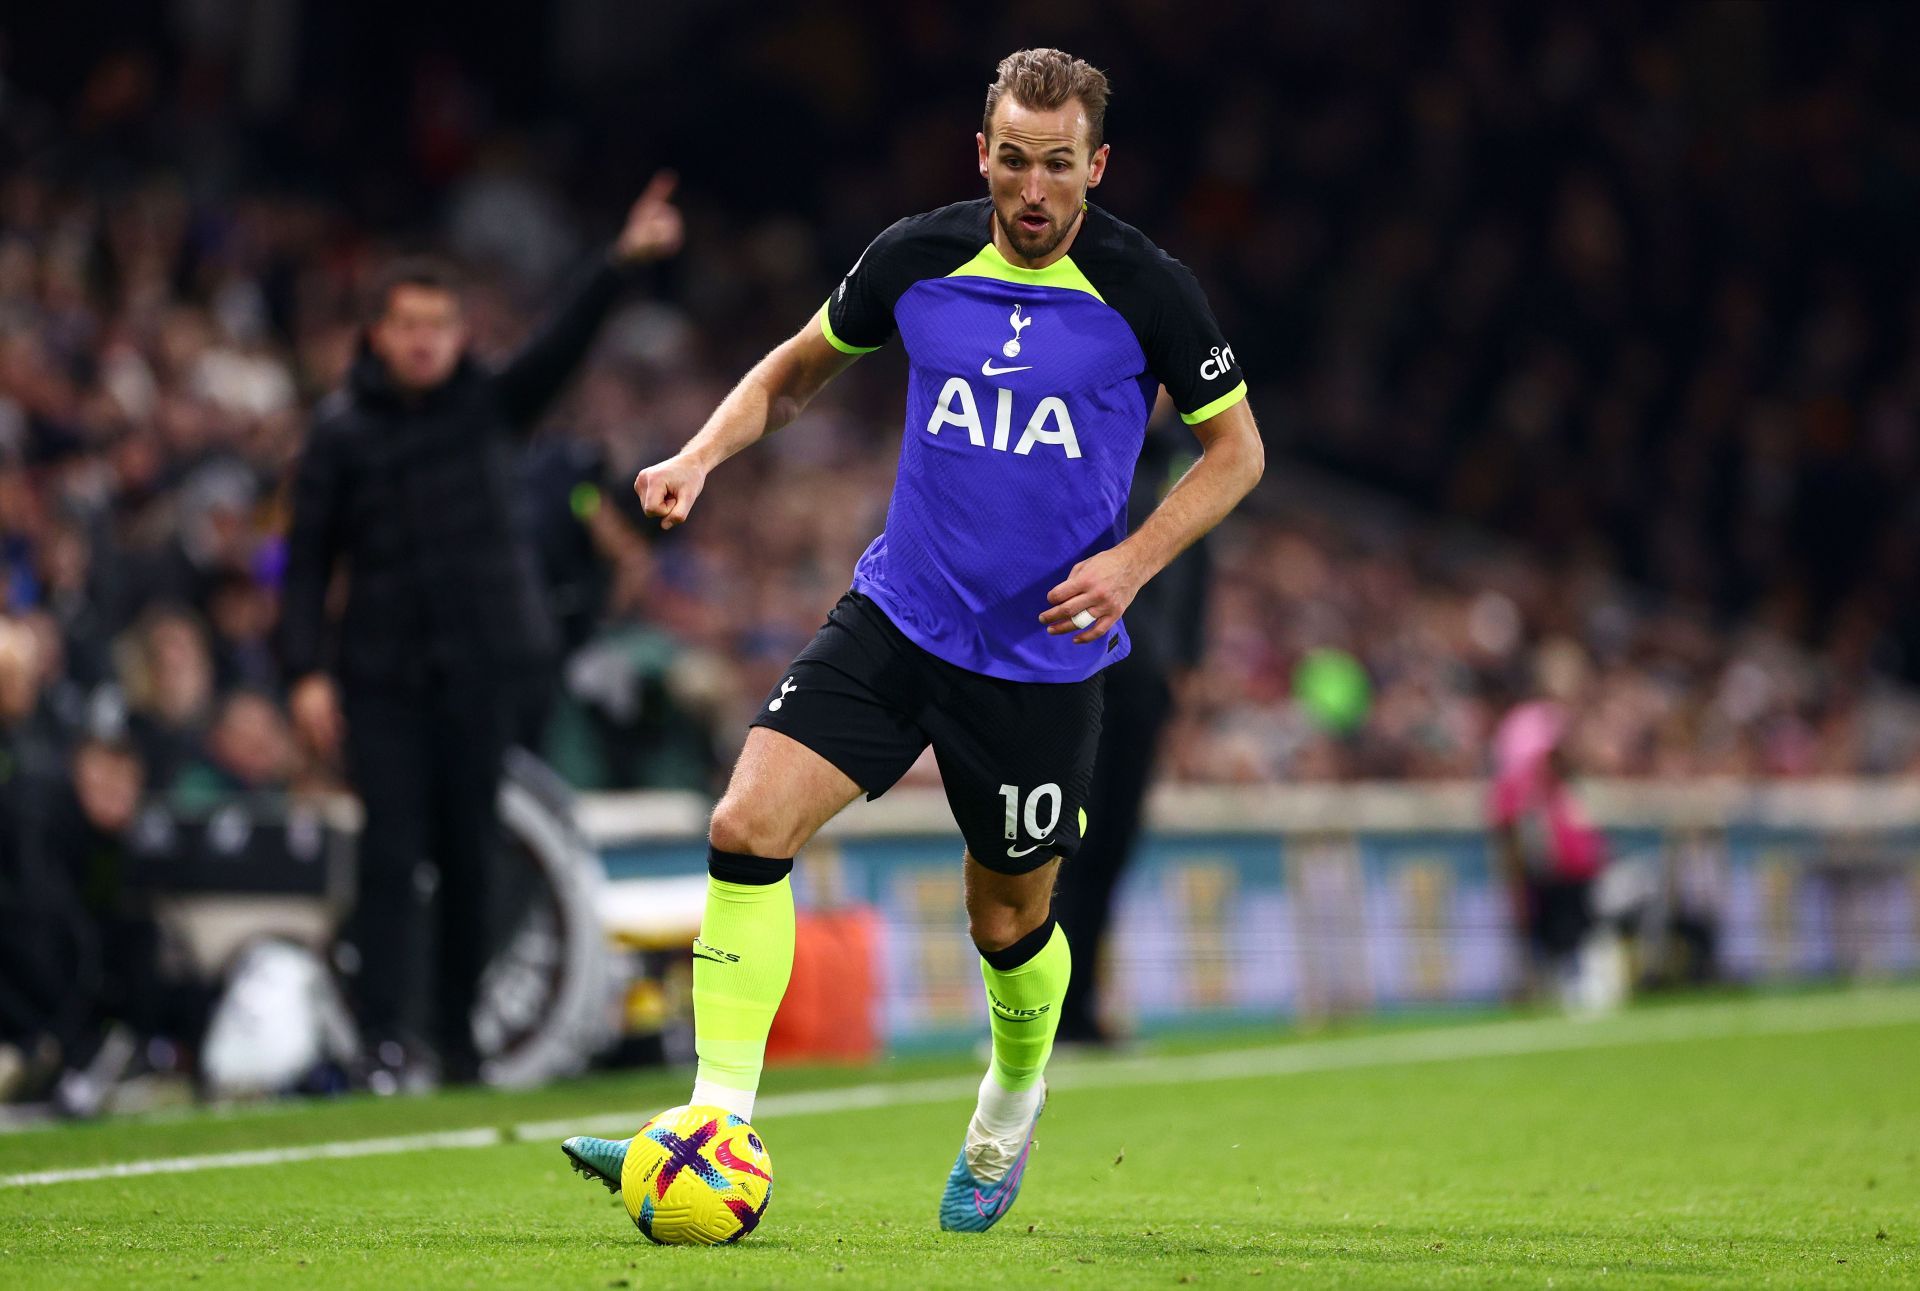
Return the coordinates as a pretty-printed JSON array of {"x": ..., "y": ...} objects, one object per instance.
[
  {"x": 654, "y": 227},
  {"x": 315, "y": 704},
  {"x": 1103, "y": 585},
  {"x": 667, "y": 489}
]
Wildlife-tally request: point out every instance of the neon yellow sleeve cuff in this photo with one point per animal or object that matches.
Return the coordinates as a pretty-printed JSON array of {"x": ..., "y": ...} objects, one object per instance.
[
  {"x": 826, "y": 328},
  {"x": 1213, "y": 409}
]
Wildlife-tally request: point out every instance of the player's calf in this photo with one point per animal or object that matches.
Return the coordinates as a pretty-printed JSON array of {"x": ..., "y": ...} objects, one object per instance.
[
  {"x": 741, "y": 961},
  {"x": 1025, "y": 983}
]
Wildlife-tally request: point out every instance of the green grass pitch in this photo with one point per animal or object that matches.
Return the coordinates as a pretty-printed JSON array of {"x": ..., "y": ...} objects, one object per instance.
[{"x": 1739, "y": 1143}]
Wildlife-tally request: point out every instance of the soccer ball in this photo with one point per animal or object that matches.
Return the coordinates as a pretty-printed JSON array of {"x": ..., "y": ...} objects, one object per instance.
[{"x": 696, "y": 1176}]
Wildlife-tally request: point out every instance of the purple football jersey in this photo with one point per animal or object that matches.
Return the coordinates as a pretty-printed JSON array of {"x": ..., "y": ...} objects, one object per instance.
[{"x": 1027, "y": 401}]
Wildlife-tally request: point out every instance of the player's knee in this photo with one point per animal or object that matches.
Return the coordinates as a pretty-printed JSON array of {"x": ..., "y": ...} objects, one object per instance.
[
  {"x": 991, "y": 929},
  {"x": 998, "y": 927},
  {"x": 746, "y": 829}
]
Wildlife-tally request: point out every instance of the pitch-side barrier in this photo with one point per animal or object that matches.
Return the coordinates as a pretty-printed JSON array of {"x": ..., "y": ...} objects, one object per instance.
[{"x": 1299, "y": 901}]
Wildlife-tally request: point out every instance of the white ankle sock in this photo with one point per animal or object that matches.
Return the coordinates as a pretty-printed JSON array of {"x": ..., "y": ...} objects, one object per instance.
[
  {"x": 737, "y": 1101},
  {"x": 1005, "y": 1113}
]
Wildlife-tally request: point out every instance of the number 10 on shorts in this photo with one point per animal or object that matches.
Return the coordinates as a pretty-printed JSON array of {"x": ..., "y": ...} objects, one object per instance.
[{"x": 1047, "y": 793}]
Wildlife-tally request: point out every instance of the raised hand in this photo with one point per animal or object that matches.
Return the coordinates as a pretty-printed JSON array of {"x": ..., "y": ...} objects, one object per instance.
[{"x": 654, "y": 228}]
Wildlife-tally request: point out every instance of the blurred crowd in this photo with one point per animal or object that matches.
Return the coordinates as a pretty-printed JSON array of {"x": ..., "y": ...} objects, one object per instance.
[
  {"x": 1352, "y": 640},
  {"x": 1616, "y": 305},
  {"x": 1628, "y": 283}
]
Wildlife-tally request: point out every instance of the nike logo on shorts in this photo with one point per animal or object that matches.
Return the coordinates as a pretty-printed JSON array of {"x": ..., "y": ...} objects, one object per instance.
[{"x": 1022, "y": 851}]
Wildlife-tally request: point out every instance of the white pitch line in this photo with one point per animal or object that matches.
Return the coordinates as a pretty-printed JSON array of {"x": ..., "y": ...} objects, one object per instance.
[
  {"x": 1449, "y": 1044},
  {"x": 474, "y": 1138},
  {"x": 1443, "y": 1044}
]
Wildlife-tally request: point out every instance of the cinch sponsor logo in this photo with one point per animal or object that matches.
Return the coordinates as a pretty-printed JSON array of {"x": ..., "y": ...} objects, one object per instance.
[
  {"x": 1218, "y": 364},
  {"x": 1048, "y": 423}
]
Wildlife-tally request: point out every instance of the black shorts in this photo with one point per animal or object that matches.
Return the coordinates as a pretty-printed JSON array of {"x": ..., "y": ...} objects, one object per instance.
[{"x": 1016, "y": 756}]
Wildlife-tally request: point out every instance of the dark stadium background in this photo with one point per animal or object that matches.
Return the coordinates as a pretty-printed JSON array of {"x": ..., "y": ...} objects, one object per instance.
[
  {"x": 1628, "y": 285},
  {"x": 1584, "y": 338}
]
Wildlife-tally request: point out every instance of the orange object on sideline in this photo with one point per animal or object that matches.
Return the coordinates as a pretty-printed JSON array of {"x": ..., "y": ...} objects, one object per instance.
[{"x": 831, "y": 1010}]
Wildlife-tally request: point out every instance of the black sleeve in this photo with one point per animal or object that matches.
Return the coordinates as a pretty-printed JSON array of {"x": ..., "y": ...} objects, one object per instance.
[
  {"x": 859, "y": 315},
  {"x": 1185, "y": 349},
  {"x": 312, "y": 544},
  {"x": 531, "y": 379}
]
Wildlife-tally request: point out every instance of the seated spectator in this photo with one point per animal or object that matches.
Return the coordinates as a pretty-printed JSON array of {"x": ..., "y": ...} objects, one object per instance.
[
  {"x": 68, "y": 592},
  {"x": 50, "y": 966},
  {"x": 168, "y": 674},
  {"x": 30, "y": 732},
  {"x": 249, "y": 750},
  {"x": 242, "y": 613}
]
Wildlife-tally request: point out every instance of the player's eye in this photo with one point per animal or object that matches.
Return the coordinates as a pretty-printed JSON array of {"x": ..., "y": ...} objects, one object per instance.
[{"x": 1057, "y": 167}]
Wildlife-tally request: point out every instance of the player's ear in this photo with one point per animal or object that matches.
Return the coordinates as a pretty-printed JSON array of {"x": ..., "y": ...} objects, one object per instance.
[
  {"x": 981, "y": 140},
  {"x": 1097, "y": 168}
]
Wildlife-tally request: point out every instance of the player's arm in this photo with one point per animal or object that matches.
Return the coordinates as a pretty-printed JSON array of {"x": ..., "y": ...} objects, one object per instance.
[
  {"x": 313, "y": 547},
  {"x": 856, "y": 320},
  {"x": 1231, "y": 462},
  {"x": 771, "y": 395},
  {"x": 534, "y": 377}
]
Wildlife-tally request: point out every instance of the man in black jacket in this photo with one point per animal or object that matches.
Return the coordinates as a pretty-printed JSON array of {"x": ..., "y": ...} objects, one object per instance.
[{"x": 407, "y": 482}]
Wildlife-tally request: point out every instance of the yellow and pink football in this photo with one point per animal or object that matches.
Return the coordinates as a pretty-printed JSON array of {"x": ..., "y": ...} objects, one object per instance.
[{"x": 696, "y": 1176}]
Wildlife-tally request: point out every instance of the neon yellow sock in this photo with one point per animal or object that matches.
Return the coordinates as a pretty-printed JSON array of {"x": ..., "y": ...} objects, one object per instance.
[
  {"x": 1023, "y": 1004},
  {"x": 741, "y": 964}
]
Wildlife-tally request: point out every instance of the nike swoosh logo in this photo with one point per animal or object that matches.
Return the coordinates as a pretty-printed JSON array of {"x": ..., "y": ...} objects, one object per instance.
[
  {"x": 725, "y": 1156},
  {"x": 711, "y": 959},
  {"x": 1022, "y": 851},
  {"x": 988, "y": 370}
]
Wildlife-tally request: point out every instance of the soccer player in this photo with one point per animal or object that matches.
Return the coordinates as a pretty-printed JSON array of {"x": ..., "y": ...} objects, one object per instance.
[
  {"x": 1038, "y": 329},
  {"x": 1549, "y": 852}
]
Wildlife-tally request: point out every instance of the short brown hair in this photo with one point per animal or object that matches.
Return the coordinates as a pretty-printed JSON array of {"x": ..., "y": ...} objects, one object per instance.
[
  {"x": 411, "y": 271},
  {"x": 1043, "y": 79}
]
